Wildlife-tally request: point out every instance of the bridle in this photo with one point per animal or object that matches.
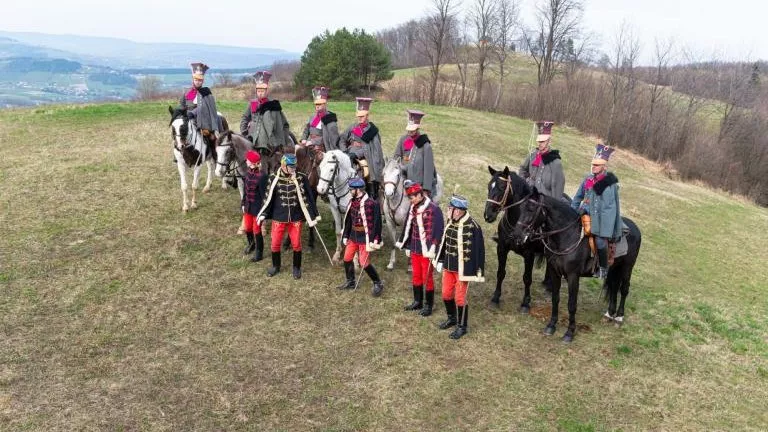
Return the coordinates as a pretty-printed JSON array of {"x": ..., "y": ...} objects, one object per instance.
[
  {"x": 331, "y": 183},
  {"x": 543, "y": 235},
  {"x": 395, "y": 184},
  {"x": 505, "y": 196},
  {"x": 232, "y": 169},
  {"x": 179, "y": 137}
]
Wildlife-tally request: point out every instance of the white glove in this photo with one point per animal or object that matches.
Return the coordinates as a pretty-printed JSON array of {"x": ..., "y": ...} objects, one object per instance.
[
  {"x": 439, "y": 267},
  {"x": 408, "y": 253},
  {"x": 312, "y": 223},
  {"x": 431, "y": 253},
  {"x": 261, "y": 220},
  {"x": 242, "y": 208},
  {"x": 344, "y": 241}
]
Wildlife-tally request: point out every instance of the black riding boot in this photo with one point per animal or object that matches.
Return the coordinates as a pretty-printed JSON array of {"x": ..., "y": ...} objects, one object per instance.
[
  {"x": 417, "y": 298},
  {"x": 463, "y": 326},
  {"x": 275, "y": 269},
  {"x": 430, "y": 300},
  {"x": 378, "y": 285},
  {"x": 297, "y": 264},
  {"x": 259, "y": 255},
  {"x": 450, "y": 309},
  {"x": 349, "y": 274},
  {"x": 251, "y": 245},
  {"x": 602, "y": 257}
]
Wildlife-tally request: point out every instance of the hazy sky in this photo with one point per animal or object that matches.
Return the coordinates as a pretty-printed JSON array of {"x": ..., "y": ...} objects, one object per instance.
[{"x": 733, "y": 29}]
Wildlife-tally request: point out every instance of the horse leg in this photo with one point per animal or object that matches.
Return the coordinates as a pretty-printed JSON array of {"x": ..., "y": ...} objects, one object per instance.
[
  {"x": 209, "y": 178},
  {"x": 611, "y": 287},
  {"x": 528, "y": 261},
  {"x": 195, "y": 185},
  {"x": 552, "y": 326},
  {"x": 501, "y": 273},
  {"x": 393, "y": 235},
  {"x": 624, "y": 281},
  {"x": 241, "y": 189},
  {"x": 573, "y": 298},
  {"x": 183, "y": 177}
]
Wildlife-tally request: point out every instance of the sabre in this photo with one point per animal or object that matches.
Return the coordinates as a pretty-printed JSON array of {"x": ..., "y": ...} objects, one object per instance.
[
  {"x": 323, "y": 243},
  {"x": 362, "y": 269}
]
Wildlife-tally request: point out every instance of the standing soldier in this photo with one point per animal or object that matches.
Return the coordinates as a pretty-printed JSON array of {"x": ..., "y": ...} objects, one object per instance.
[
  {"x": 597, "y": 200},
  {"x": 461, "y": 258},
  {"x": 321, "y": 132},
  {"x": 415, "y": 150},
  {"x": 253, "y": 199},
  {"x": 420, "y": 238},
  {"x": 263, "y": 121},
  {"x": 362, "y": 142},
  {"x": 544, "y": 170},
  {"x": 289, "y": 203},
  {"x": 361, "y": 235},
  {"x": 201, "y": 106}
]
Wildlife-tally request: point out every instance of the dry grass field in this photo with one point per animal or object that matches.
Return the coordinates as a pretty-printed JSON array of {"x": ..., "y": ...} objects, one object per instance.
[{"x": 120, "y": 313}]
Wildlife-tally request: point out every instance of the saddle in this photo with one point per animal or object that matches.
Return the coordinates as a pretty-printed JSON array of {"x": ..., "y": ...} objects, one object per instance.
[{"x": 615, "y": 249}]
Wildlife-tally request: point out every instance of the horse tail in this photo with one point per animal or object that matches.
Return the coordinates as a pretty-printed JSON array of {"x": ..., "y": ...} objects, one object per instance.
[{"x": 612, "y": 283}]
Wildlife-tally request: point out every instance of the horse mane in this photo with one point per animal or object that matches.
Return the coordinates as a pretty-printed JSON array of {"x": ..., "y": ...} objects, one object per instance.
[{"x": 558, "y": 206}]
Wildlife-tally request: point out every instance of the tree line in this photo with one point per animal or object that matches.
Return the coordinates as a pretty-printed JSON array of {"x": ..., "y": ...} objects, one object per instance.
[{"x": 702, "y": 118}]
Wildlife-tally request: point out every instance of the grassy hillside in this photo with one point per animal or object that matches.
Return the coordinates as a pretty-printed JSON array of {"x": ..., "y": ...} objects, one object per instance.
[{"x": 121, "y": 313}]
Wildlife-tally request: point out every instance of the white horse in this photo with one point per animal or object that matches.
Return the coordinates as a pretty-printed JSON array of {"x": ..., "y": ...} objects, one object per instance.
[
  {"x": 396, "y": 204},
  {"x": 191, "y": 151},
  {"x": 335, "y": 172}
]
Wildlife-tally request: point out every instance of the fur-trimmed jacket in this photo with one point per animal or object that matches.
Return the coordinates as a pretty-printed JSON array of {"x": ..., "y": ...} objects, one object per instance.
[
  {"x": 289, "y": 199},
  {"x": 463, "y": 249},
  {"x": 599, "y": 198},
  {"x": 423, "y": 229},
  {"x": 362, "y": 223},
  {"x": 548, "y": 177},
  {"x": 365, "y": 143},
  {"x": 201, "y": 106},
  {"x": 418, "y": 160},
  {"x": 264, "y": 123},
  {"x": 323, "y": 131}
]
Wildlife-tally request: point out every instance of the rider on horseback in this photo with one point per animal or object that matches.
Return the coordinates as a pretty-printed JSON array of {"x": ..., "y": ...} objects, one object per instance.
[
  {"x": 200, "y": 106},
  {"x": 263, "y": 121},
  {"x": 542, "y": 168},
  {"x": 415, "y": 151},
  {"x": 321, "y": 133},
  {"x": 597, "y": 200},
  {"x": 362, "y": 142}
]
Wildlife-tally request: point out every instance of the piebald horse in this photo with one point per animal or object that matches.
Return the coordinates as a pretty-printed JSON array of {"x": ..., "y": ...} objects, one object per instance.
[{"x": 191, "y": 151}]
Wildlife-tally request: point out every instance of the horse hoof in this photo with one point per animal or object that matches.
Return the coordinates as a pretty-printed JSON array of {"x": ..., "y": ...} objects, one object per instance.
[
  {"x": 193, "y": 206},
  {"x": 390, "y": 267},
  {"x": 618, "y": 321},
  {"x": 185, "y": 209},
  {"x": 495, "y": 302},
  {"x": 525, "y": 310},
  {"x": 568, "y": 337},
  {"x": 549, "y": 331},
  {"x": 206, "y": 189}
]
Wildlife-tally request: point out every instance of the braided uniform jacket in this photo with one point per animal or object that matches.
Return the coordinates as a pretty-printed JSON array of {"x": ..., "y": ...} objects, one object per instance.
[
  {"x": 366, "y": 232},
  {"x": 253, "y": 196},
  {"x": 423, "y": 228},
  {"x": 289, "y": 198},
  {"x": 463, "y": 249}
]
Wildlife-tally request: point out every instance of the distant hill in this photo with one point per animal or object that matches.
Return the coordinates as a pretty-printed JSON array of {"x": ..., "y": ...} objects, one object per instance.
[{"x": 123, "y": 53}]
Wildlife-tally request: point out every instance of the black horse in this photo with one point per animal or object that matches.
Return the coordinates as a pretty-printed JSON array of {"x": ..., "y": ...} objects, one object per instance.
[
  {"x": 555, "y": 224},
  {"x": 506, "y": 192}
]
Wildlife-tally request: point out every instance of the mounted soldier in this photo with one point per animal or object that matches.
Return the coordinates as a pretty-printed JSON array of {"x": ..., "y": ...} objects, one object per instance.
[
  {"x": 263, "y": 121},
  {"x": 420, "y": 239},
  {"x": 415, "y": 151},
  {"x": 289, "y": 203},
  {"x": 362, "y": 235},
  {"x": 543, "y": 167},
  {"x": 362, "y": 142},
  {"x": 321, "y": 133},
  {"x": 200, "y": 106},
  {"x": 461, "y": 258},
  {"x": 597, "y": 200}
]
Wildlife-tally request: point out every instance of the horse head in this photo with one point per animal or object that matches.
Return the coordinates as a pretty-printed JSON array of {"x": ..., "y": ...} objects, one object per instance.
[
  {"x": 392, "y": 176},
  {"x": 505, "y": 190},
  {"x": 225, "y": 153},
  {"x": 179, "y": 126},
  {"x": 329, "y": 168},
  {"x": 534, "y": 212}
]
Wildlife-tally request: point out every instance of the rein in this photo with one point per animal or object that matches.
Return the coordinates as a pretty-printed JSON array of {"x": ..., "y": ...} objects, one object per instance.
[
  {"x": 546, "y": 234},
  {"x": 332, "y": 185},
  {"x": 504, "y": 197},
  {"x": 393, "y": 209}
]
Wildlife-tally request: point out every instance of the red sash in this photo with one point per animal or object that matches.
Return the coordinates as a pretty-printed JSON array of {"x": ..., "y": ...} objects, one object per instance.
[
  {"x": 358, "y": 130},
  {"x": 590, "y": 183},
  {"x": 191, "y": 94},
  {"x": 256, "y": 103}
]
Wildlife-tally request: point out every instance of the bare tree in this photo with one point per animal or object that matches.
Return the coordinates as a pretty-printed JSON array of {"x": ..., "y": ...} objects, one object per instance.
[
  {"x": 461, "y": 54},
  {"x": 622, "y": 79},
  {"x": 434, "y": 44},
  {"x": 148, "y": 87},
  {"x": 556, "y": 22},
  {"x": 663, "y": 54},
  {"x": 507, "y": 23},
  {"x": 482, "y": 14}
]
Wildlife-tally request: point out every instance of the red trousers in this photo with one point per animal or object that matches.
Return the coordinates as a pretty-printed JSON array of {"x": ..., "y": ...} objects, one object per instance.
[
  {"x": 294, "y": 232},
  {"x": 453, "y": 288},
  {"x": 251, "y": 223},
  {"x": 363, "y": 255},
  {"x": 422, "y": 271}
]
